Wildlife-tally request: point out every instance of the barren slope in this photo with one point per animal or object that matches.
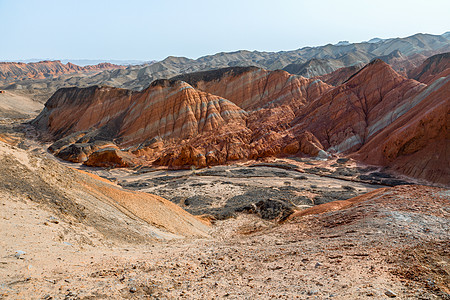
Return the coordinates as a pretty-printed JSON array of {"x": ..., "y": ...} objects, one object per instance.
[
  {"x": 432, "y": 68},
  {"x": 14, "y": 105},
  {"x": 82, "y": 198},
  {"x": 418, "y": 143},
  {"x": 348, "y": 116},
  {"x": 253, "y": 88},
  {"x": 391, "y": 243}
]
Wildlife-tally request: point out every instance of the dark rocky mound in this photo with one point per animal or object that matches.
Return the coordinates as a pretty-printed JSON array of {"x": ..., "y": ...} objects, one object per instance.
[{"x": 217, "y": 74}]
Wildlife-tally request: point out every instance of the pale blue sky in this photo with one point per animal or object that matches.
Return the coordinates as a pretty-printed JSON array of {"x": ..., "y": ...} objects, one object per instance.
[{"x": 146, "y": 30}]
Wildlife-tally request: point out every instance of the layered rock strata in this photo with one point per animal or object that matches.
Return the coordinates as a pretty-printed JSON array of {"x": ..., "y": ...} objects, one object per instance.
[{"x": 219, "y": 116}]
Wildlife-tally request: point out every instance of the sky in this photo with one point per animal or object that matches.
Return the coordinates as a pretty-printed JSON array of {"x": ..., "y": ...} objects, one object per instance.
[{"x": 153, "y": 30}]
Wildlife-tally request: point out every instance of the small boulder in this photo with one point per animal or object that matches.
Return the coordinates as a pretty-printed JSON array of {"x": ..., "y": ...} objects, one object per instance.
[
  {"x": 309, "y": 144},
  {"x": 109, "y": 157},
  {"x": 292, "y": 148},
  {"x": 342, "y": 160},
  {"x": 19, "y": 254},
  {"x": 390, "y": 294},
  {"x": 322, "y": 154}
]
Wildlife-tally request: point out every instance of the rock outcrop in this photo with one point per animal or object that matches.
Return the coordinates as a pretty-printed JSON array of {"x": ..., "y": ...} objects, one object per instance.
[
  {"x": 110, "y": 157},
  {"x": 81, "y": 118},
  {"x": 174, "y": 109}
]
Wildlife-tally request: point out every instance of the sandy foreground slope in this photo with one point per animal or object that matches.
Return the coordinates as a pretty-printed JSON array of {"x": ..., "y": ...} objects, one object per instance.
[
  {"x": 85, "y": 238},
  {"x": 47, "y": 208}
]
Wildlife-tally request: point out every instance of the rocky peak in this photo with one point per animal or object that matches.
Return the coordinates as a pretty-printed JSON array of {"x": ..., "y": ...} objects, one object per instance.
[
  {"x": 346, "y": 117},
  {"x": 376, "y": 70}
]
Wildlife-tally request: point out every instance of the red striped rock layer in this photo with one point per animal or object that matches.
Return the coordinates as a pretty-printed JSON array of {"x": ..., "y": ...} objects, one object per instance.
[
  {"x": 11, "y": 71},
  {"x": 348, "y": 116},
  {"x": 174, "y": 124},
  {"x": 70, "y": 110},
  {"x": 253, "y": 88},
  {"x": 399, "y": 122},
  {"x": 417, "y": 143},
  {"x": 175, "y": 110},
  {"x": 165, "y": 109}
]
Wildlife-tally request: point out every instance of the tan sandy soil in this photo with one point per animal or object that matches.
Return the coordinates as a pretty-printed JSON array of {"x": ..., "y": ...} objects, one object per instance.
[
  {"x": 356, "y": 253},
  {"x": 15, "y": 105},
  {"x": 393, "y": 241}
]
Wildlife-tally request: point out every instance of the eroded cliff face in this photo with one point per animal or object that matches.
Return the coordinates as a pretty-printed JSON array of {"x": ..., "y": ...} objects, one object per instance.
[
  {"x": 11, "y": 71},
  {"x": 166, "y": 109},
  {"x": 174, "y": 109},
  {"x": 71, "y": 110}
]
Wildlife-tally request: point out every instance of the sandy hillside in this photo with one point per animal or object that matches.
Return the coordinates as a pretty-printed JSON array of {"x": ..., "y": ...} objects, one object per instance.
[
  {"x": 381, "y": 247},
  {"x": 69, "y": 234},
  {"x": 13, "y": 105},
  {"x": 79, "y": 197}
]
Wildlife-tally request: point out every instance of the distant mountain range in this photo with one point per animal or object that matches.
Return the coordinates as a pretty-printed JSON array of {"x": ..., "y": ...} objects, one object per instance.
[
  {"x": 88, "y": 62},
  {"x": 332, "y": 56},
  {"x": 12, "y": 71},
  {"x": 403, "y": 54}
]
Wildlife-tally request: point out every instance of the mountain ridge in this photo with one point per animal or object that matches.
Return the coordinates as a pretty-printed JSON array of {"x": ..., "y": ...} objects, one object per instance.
[
  {"x": 13, "y": 71},
  {"x": 333, "y": 57}
]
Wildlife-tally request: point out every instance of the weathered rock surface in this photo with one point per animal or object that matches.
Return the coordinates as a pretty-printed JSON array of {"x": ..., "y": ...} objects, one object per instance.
[
  {"x": 109, "y": 157},
  {"x": 134, "y": 117},
  {"x": 80, "y": 152},
  {"x": 174, "y": 109},
  {"x": 167, "y": 109},
  {"x": 339, "y": 76}
]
